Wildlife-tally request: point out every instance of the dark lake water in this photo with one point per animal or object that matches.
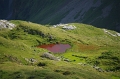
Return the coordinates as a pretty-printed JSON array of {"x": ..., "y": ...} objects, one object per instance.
[{"x": 56, "y": 48}]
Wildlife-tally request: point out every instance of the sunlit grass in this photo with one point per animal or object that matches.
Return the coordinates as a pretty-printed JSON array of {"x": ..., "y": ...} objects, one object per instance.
[{"x": 88, "y": 45}]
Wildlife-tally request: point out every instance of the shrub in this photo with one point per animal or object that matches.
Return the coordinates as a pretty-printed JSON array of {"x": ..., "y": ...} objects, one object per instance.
[
  {"x": 58, "y": 70},
  {"x": 55, "y": 76},
  {"x": 31, "y": 77},
  {"x": 41, "y": 64},
  {"x": 66, "y": 73}
]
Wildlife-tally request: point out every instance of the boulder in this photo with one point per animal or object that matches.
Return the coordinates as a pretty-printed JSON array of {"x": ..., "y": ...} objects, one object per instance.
[
  {"x": 6, "y": 24},
  {"x": 49, "y": 56}
]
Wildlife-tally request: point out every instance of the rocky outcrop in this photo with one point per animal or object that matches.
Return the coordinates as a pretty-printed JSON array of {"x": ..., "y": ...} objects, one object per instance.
[
  {"x": 6, "y": 24},
  {"x": 65, "y": 26},
  {"x": 115, "y": 34}
]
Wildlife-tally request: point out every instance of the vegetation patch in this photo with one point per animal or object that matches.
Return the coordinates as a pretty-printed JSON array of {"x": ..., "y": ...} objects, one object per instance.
[
  {"x": 41, "y": 64},
  {"x": 66, "y": 73},
  {"x": 92, "y": 50}
]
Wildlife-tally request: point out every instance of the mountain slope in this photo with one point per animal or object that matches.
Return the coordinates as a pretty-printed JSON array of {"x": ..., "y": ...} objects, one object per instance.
[
  {"x": 93, "y": 51},
  {"x": 100, "y": 13}
]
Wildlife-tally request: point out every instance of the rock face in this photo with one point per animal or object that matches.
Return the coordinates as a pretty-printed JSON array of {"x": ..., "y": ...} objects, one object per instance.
[
  {"x": 100, "y": 13},
  {"x": 6, "y": 24}
]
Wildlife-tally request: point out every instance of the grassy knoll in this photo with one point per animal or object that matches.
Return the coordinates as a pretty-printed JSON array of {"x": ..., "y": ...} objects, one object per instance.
[{"x": 90, "y": 48}]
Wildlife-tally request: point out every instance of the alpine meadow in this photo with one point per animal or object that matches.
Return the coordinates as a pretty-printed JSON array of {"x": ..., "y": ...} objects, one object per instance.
[{"x": 59, "y": 39}]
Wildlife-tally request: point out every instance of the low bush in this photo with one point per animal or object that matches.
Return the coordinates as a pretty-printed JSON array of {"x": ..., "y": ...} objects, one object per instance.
[
  {"x": 41, "y": 64},
  {"x": 66, "y": 73}
]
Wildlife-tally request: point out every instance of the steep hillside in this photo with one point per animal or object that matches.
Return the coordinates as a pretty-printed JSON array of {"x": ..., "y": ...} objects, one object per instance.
[
  {"x": 100, "y": 13},
  {"x": 94, "y": 52}
]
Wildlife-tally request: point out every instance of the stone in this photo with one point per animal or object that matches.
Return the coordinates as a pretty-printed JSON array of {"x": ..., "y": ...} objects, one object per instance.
[
  {"x": 6, "y": 24},
  {"x": 65, "y": 26},
  {"x": 49, "y": 56}
]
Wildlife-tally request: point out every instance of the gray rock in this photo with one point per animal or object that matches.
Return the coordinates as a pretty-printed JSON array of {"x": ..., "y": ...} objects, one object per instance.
[
  {"x": 6, "y": 24},
  {"x": 65, "y": 26},
  {"x": 32, "y": 60},
  {"x": 49, "y": 56}
]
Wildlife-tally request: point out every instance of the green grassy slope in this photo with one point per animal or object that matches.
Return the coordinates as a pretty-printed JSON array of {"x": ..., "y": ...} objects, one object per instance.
[
  {"x": 38, "y": 11},
  {"x": 89, "y": 46},
  {"x": 101, "y": 13}
]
